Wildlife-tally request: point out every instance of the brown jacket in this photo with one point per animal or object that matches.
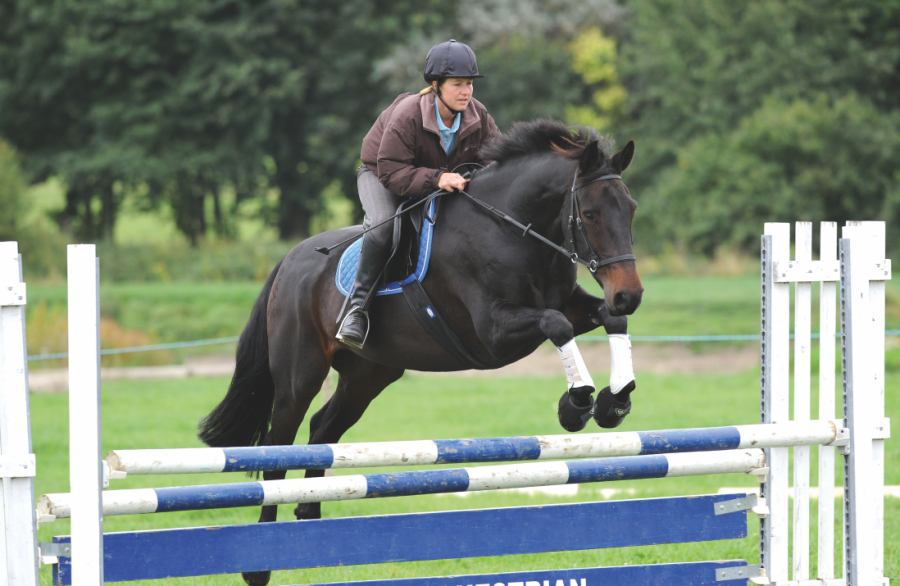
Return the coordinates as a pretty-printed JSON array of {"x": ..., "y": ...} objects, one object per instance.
[{"x": 404, "y": 149}]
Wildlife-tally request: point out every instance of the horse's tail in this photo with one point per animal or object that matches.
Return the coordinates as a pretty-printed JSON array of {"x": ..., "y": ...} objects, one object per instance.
[{"x": 243, "y": 416}]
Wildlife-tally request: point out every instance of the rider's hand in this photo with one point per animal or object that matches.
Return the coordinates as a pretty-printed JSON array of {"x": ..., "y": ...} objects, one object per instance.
[{"x": 451, "y": 181}]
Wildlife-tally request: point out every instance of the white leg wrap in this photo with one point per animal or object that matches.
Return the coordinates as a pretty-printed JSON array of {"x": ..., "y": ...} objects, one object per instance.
[
  {"x": 577, "y": 373},
  {"x": 622, "y": 371}
]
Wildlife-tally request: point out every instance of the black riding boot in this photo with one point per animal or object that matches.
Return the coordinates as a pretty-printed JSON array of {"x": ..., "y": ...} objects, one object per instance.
[{"x": 355, "y": 328}]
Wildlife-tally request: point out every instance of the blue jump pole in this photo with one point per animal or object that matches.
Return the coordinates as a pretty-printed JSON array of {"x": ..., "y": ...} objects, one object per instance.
[
  {"x": 462, "y": 451},
  {"x": 335, "y": 488}
]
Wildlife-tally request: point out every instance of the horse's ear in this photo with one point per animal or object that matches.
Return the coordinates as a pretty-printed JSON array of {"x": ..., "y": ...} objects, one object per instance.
[
  {"x": 590, "y": 158},
  {"x": 622, "y": 159}
]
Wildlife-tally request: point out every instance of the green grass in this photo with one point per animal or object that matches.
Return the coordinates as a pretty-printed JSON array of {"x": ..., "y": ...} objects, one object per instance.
[
  {"x": 164, "y": 414},
  {"x": 671, "y": 306},
  {"x": 173, "y": 312}
]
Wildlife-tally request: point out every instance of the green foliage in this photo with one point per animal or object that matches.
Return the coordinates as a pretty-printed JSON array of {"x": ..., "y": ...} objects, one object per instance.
[
  {"x": 817, "y": 161},
  {"x": 218, "y": 112},
  {"x": 595, "y": 58},
  {"x": 702, "y": 75},
  {"x": 523, "y": 49},
  {"x": 182, "y": 101},
  {"x": 519, "y": 67},
  {"x": 183, "y": 310},
  {"x": 13, "y": 202},
  {"x": 22, "y": 220},
  {"x": 168, "y": 312}
]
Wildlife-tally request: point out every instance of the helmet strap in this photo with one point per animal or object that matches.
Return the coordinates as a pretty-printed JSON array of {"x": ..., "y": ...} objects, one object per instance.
[{"x": 437, "y": 92}]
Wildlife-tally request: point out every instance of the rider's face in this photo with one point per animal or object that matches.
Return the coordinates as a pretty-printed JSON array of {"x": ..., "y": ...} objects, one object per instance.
[{"x": 457, "y": 92}]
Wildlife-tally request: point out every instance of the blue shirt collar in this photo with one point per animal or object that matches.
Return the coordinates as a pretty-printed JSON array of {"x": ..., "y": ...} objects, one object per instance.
[{"x": 441, "y": 127}]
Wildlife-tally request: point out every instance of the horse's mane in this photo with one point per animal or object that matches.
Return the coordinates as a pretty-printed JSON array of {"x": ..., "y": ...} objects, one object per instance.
[{"x": 544, "y": 136}]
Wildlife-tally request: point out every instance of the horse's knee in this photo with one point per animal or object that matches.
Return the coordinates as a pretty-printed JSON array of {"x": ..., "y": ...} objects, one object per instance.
[
  {"x": 556, "y": 327},
  {"x": 613, "y": 324}
]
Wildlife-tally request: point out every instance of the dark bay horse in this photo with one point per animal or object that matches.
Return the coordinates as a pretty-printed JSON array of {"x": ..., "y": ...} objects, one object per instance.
[{"x": 503, "y": 294}]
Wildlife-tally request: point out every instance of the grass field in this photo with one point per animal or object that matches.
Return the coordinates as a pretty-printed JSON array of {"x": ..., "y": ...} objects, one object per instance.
[
  {"x": 164, "y": 414},
  {"x": 176, "y": 312}
]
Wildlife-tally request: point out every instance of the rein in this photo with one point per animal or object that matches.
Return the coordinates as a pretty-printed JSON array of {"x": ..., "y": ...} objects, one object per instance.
[{"x": 574, "y": 220}]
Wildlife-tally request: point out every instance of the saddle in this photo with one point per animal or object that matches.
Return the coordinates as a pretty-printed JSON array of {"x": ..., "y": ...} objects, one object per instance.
[
  {"x": 410, "y": 252},
  {"x": 404, "y": 272}
]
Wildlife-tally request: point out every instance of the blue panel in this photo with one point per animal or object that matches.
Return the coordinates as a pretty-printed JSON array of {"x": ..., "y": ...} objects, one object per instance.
[
  {"x": 687, "y": 574},
  {"x": 425, "y": 536},
  {"x": 210, "y": 496},
  {"x": 624, "y": 468},
  {"x": 689, "y": 440},
  {"x": 315, "y": 457},
  {"x": 501, "y": 449},
  {"x": 420, "y": 482}
]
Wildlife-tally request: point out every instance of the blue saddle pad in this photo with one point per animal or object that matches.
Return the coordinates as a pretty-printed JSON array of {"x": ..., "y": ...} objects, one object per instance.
[{"x": 346, "y": 269}]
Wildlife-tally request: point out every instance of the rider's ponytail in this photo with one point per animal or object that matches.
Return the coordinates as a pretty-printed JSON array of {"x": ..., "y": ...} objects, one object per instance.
[{"x": 426, "y": 91}]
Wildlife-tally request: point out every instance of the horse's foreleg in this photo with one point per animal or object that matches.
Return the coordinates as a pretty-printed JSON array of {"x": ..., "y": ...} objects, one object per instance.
[{"x": 585, "y": 312}]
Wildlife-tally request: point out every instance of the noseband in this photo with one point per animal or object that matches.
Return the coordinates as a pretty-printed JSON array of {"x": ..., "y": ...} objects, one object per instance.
[{"x": 575, "y": 221}]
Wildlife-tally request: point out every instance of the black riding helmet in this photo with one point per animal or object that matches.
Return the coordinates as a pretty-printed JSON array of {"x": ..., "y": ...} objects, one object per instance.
[{"x": 450, "y": 59}]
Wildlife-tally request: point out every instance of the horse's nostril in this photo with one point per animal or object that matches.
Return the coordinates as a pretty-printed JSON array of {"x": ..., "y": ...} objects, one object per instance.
[{"x": 620, "y": 300}]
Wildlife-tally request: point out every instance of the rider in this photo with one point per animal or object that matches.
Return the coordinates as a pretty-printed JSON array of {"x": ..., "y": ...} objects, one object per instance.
[{"x": 410, "y": 152}]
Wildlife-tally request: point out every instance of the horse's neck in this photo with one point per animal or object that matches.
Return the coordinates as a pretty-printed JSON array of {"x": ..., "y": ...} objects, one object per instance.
[{"x": 532, "y": 192}]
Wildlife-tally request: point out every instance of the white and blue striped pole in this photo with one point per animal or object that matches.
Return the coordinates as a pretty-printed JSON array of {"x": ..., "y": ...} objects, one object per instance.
[
  {"x": 337, "y": 488},
  {"x": 462, "y": 451}
]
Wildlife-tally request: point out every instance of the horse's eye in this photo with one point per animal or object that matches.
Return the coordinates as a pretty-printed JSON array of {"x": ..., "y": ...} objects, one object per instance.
[{"x": 589, "y": 216}]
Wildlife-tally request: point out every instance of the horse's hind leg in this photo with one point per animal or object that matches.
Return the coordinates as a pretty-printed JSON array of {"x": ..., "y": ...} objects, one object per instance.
[
  {"x": 360, "y": 382},
  {"x": 296, "y": 384}
]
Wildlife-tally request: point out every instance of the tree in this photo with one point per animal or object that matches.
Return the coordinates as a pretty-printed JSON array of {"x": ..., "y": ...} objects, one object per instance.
[
  {"x": 701, "y": 74},
  {"x": 819, "y": 160},
  {"x": 189, "y": 99},
  {"x": 524, "y": 48},
  {"x": 21, "y": 220}
]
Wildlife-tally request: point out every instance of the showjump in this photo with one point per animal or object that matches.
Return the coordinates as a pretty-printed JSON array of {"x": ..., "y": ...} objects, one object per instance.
[{"x": 857, "y": 275}]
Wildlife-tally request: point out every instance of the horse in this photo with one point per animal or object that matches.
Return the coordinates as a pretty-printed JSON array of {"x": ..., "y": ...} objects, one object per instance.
[{"x": 503, "y": 292}]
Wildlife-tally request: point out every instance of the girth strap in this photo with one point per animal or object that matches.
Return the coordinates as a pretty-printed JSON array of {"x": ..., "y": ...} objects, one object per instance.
[{"x": 437, "y": 327}]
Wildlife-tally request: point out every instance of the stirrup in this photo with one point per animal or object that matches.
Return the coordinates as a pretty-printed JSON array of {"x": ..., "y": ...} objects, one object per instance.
[{"x": 352, "y": 343}]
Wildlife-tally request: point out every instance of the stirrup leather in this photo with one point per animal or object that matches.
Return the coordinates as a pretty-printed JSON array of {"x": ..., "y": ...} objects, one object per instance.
[{"x": 340, "y": 337}]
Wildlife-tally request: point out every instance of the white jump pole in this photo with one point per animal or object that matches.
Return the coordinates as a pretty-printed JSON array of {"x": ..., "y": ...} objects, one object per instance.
[
  {"x": 18, "y": 542},
  {"x": 85, "y": 468}
]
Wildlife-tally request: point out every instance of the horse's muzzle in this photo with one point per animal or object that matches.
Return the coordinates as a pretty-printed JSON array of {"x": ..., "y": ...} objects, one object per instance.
[{"x": 625, "y": 301}]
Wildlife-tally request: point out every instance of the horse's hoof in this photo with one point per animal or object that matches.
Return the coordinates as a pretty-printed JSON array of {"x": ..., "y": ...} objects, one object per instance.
[
  {"x": 257, "y": 578},
  {"x": 575, "y": 408},
  {"x": 305, "y": 511},
  {"x": 609, "y": 409}
]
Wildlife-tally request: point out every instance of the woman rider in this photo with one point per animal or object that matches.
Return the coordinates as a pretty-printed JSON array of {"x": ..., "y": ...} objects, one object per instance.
[{"x": 411, "y": 151}]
